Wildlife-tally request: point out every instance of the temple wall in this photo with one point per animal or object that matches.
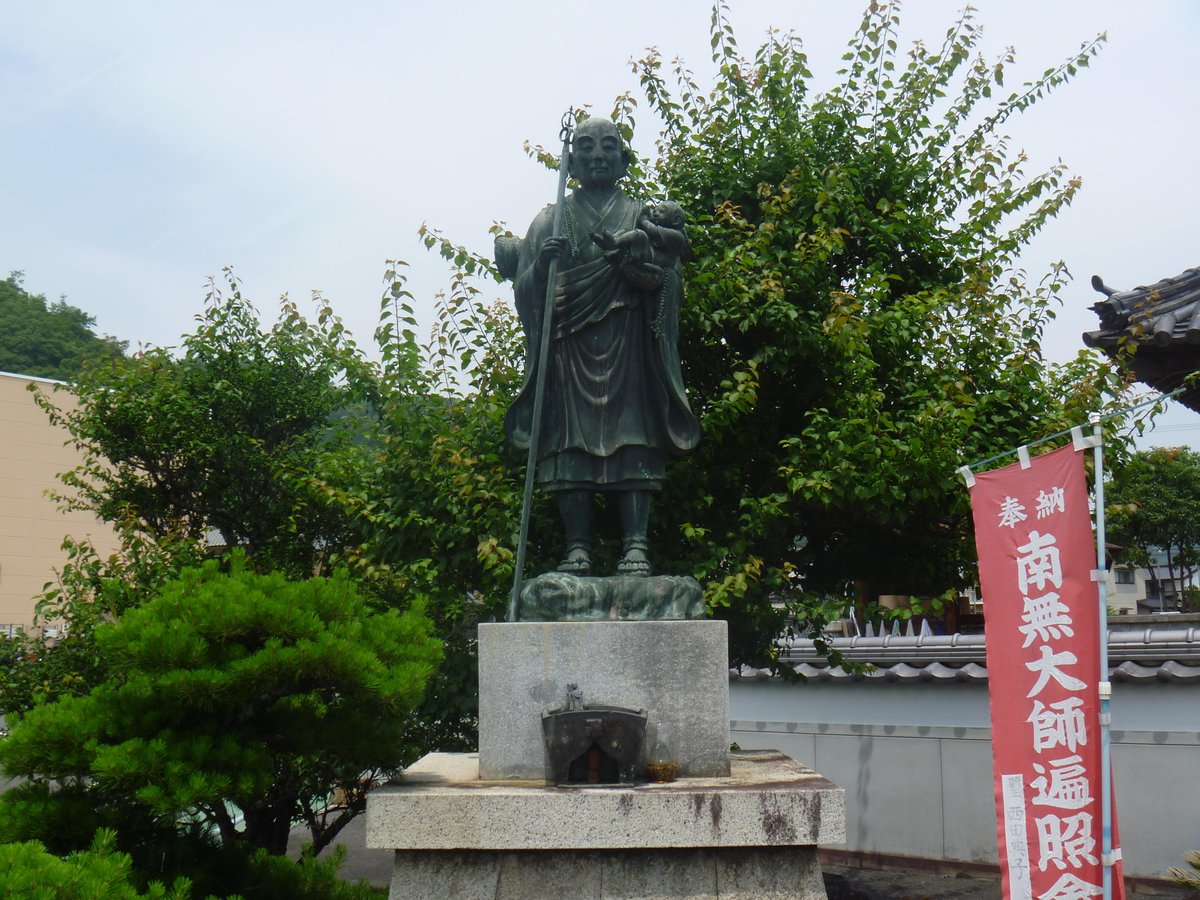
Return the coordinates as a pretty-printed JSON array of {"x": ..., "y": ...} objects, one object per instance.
[{"x": 915, "y": 760}]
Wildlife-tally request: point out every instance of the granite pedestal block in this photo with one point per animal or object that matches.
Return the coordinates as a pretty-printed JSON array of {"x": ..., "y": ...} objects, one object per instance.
[
  {"x": 678, "y": 671},
  {"x": 752, "y": 834}
]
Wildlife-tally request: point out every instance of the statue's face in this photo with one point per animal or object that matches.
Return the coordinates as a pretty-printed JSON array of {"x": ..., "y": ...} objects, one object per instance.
[
  {"x": 597, "y": 155},
  {"x": 667, "y": 213}
]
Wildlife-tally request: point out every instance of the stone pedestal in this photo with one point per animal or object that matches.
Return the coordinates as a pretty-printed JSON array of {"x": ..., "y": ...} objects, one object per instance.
[
  {"x": 678, "y": 671},
  {"x": 751, "y": 834},
  {"x": 489, "y": 825}
]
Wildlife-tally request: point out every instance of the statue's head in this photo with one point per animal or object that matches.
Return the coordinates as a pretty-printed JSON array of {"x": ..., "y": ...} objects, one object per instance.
[
  {"x": 598, "y": 157},
  {"x": 666, "y": 213}
]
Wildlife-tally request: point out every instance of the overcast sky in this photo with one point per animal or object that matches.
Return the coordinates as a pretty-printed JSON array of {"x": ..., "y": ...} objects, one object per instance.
[{"x": 145, "y": 145}]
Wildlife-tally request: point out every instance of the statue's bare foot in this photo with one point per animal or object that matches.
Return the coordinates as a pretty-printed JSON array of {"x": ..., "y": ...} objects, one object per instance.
[
  {"x": 578, "y": 562},
  {"x": 634, "y": 562}
]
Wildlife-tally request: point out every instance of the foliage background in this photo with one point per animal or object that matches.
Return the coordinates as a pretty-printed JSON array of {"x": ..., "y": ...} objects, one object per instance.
[
  {"x": 1153, "y": 505},
  {"x": 857, "y": 324}
]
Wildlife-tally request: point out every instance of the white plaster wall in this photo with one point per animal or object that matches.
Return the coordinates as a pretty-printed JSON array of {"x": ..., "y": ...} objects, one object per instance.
[{"x": 915, "y": 760}]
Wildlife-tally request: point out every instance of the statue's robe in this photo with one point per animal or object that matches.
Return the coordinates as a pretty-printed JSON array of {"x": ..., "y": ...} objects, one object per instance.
[{"x": 614, "y": 405}]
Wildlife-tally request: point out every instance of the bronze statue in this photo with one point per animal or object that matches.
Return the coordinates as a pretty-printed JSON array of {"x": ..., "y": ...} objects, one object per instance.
[{"x": 614, "y": 404}]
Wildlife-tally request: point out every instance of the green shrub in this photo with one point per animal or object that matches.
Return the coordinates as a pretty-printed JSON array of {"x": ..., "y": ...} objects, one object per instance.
[
  {"x": 27, "y": 869},
  {"x": 236, "y": 702}
]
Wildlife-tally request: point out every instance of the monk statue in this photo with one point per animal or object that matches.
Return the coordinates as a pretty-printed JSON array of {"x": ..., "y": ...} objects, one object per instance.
[{"x": 614, "y": 405}]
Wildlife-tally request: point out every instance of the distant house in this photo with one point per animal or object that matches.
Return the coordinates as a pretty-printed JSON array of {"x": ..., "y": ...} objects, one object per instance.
[
  {"x": 1152, "y": 589},
  {"x": 1131, "y": 590},
  {"x": 32, "y": 454}
]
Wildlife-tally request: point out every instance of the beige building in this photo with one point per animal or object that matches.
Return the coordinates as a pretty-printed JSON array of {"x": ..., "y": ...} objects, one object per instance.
[{"x": 32, "y": 454}]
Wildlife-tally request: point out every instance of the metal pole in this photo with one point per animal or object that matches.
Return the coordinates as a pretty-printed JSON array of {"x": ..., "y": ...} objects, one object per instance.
[
  {"x": 1105, "y": 688},
  {"x": 543, "y": 360}
]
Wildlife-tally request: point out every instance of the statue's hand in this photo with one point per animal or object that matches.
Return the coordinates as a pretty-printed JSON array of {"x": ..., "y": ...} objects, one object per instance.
[
  {"x": 604, "y": 240},
  {"x": 643, "y": 276},
  {"x": 552, "y": 248}
]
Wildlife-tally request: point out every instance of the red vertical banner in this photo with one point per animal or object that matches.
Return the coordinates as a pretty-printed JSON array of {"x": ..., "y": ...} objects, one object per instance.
[{"x": 1033, "y": 531}]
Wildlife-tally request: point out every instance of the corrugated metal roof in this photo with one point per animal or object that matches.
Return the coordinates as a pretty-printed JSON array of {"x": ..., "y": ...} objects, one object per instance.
[{"x": 1137, "y": 657}]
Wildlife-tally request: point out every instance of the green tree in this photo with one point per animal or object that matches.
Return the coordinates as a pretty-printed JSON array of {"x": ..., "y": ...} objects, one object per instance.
[
  {"x": 857, "y": 326},
  {"x": 427, "y": 483},
  {"x": 1153, "y": 506},
  {"x": 257, "y": 435},
  {"x": 210, "y": 443},
  {"x": 29, "y": 870},
  {"x": 217, "y": 439},
  {"x": 241, "y": 702},
  {"x": 89, "y": 591},
  {"x": 50, "y": 340}
]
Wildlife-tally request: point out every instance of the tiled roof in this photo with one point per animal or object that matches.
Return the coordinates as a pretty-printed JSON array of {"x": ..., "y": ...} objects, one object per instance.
[
  {"x": 1153, "y": 654},
  {"x": 1162, "y": 312},
  {"x": 1164, "y": 320}
]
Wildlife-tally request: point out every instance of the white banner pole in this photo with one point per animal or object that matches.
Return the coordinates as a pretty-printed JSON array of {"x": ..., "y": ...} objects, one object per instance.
[{"x": 1105, "y": 688}]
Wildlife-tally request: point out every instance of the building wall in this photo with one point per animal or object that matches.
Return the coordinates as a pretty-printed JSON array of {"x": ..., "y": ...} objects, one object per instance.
[
  {"x": 915, "y": 760},
  {"x": 32, "y": 453},
  {"x": 1123, "y": 599}
]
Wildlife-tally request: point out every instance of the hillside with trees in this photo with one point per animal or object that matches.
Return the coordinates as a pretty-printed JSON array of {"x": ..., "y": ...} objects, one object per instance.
[{"x": 49, "y": 340}]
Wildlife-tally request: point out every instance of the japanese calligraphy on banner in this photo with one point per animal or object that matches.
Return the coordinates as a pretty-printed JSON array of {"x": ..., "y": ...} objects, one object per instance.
[{"x": 1033, "y": 532}]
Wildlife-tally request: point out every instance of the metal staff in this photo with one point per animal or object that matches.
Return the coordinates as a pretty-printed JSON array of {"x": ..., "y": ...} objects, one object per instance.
[{"x": 543, "y": 360}]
